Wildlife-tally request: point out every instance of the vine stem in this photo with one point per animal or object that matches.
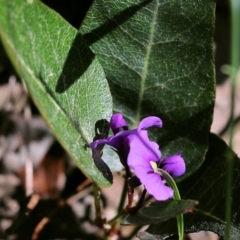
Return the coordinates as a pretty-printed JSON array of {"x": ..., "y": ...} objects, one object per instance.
[{"x": 176, "y": 196}]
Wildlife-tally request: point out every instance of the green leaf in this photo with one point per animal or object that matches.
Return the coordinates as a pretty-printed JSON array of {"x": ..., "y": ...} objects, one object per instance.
[
  {"x": 158, "y": 212},
  {"x": 208, "y": 186},
  {"x": 158, "y": 59},
  {"x": 63, "y": 76}
]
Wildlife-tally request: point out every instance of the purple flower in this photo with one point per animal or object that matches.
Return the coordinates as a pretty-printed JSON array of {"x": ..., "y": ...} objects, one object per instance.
[{"x": 143, "y": 155}]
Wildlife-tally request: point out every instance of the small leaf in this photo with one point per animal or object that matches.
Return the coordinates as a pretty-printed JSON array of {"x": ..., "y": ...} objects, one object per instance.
[
  {"x": 158, "y": 212},
  {"x": 62, "y": 74}
]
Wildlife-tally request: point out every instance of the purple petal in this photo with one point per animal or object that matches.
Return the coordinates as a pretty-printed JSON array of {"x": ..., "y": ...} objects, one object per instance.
[
  {"x": 149, "y": 122},
  {"x": 152, "y": 182},
  {"x": 139, "y": 157},
  {"x": 174, "y": 165},
  {"x": 151, "y": 146},
  {"x": 155, "y": 187},
  {"x": 117, "y": 121},
  {"x": 117, "y": 141},
  {"x": 142, "y": 150}
]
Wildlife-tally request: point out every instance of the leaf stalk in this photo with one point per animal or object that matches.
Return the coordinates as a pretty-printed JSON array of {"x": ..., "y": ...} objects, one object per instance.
[{"x": 176, "y": 196}]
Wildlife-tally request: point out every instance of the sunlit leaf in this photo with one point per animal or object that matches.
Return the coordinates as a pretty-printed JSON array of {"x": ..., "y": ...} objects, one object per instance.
[{"x": 62, "y": 74}]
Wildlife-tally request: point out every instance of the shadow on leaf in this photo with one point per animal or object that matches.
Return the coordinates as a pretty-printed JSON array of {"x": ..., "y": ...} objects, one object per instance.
[
  {"x": 77, "y": 62},
  {"x": 113, "y": 23}
]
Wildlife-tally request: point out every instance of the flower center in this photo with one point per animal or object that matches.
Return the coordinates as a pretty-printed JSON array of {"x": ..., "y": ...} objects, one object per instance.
[{"x": 154, "y": 165}]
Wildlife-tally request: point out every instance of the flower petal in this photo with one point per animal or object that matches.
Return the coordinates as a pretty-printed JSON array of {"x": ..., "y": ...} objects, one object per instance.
[
  {"x": 153, "y": 182},
  {"x": 117, "y": 141},
  {"x": 174, "y": 165},
  {"x": 117, "y": 121},
  {"x": 156, "y": 187},
  {"x": 149, "y": 122},
  {"x": 142, "y": 151}
]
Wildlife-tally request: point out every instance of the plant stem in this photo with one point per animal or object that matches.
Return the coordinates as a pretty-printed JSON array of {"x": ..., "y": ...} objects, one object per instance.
[
  {"x": 97, "y": 205},
  {"x": 123, "y": 196},
  {"x": 141, "y": 200},
  {"x": 235, "y": 52},
  {"x": 172, "y": 184},
  {"x": 115, "y": 222},
  {"x": 130, "y": 194}
]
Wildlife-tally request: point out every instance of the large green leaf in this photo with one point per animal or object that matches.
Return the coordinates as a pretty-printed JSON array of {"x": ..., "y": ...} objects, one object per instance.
[
  {"x": 62, "y": 74},
  {"x": 157, "y": 56},
  {"x": 208, "y": 186}
]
